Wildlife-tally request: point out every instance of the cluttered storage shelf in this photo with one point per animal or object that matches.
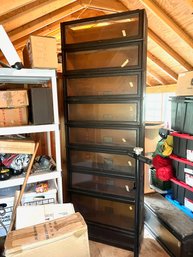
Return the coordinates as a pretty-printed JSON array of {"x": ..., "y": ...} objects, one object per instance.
[{"x": 32, "y": 115}]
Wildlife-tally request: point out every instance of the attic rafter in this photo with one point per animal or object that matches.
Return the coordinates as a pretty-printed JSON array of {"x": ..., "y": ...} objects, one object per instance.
[
  {"x": 169, "y": 50},
  {"x": 20, "y": 43},
  {"x": 161, "y": 89},
  {"x": 43, "y": 21},
  {"x": 148, "y": 82},
  {"x": 113, "y": 5},
  {"x": 45, "y": 31},
  {"x": 190, "y": 2},
  {"x": 7, "y": 7},
  {"x": 30, "y": 12},
  {"x": 156, "y": 77},
  {"x": 167, "y": 20},
  {"x": 20, "y": 10},
  {"x": 162, "y": 66}
]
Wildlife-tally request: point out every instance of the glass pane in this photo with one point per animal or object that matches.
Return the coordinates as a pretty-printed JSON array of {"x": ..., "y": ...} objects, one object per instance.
[
  {"x": 108, "y": 137},
  {"x": 103, "y": 184},
  {"x": 116, "y": 214},
  {"x": 103, "y": 112},
  {"x": 120, "y": 164},
  {"x": 119, "y": 57},
  {"x": 116, "y": 85},
  {"x": 119, "y": 27}
]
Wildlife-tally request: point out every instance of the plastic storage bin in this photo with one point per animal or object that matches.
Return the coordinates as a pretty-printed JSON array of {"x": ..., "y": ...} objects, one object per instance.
[
  {"x": 182, "y": 114},
  {"x": 182, "y": 193},
  {"x": 183, "y": 145},
  {"x": 183, "y": 169},
  {"x": 169, "y": 225}
]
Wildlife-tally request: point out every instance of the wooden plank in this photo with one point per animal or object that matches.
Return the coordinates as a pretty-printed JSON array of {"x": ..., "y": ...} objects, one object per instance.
[
  {"x": 19, "y": 11},
  {"x": 44, "y": 31},
  {"x": 156, "y": 77},
  {"x": 148, "y": 81},
  {"x": 45, "y": 20},
  {"x": 113, "y": 5},
  {"x": 161, "y": 89},
  {"x": 16, "y": 146},
  {"x": 169, "y": 50},
  {"x": 162, "y": 66},
  {"x": 190, "y": 2},
  {"x": 88, "y": 13},
  {"x": 167, "y": 20},
  {"x": 7, "y": 6},
  {"x": 30, "y": 12}
]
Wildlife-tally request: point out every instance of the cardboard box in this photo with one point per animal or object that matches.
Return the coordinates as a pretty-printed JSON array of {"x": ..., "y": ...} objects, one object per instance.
[
  {"x": 41, "y": 213},
  {"x": 30, "y": 197},
  {"x": 17, "y": 146},
  {"x": 185, "y": 84},
  {"x": 13, "y": 117},
  {"x": 63, "y": 237},
  {"x": 40, "y": 52},
  {"x": 13, "y": 98}
]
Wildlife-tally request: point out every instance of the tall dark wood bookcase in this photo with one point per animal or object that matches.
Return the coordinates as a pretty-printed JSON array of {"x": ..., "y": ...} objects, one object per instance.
[{"x": 104, "y": 66}]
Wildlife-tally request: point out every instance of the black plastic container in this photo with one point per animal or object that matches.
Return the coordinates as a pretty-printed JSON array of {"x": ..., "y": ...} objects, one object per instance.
[
  {"x": 170, "y": 226},
  {"x": 183, "y": 169},
  {"x": 183, "y": 145},
  {"x": 182, "y": 193},
  {"x": 182, "y": 114}
]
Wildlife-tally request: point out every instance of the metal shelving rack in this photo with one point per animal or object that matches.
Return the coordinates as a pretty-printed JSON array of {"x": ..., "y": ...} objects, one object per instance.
[{"x": 35, "y": 77}]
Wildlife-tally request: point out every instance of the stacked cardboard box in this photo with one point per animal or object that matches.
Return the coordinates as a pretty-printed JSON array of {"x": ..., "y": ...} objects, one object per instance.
[
  {"x": 40, "y": 52},
  {"x": 13, "y": 108}
]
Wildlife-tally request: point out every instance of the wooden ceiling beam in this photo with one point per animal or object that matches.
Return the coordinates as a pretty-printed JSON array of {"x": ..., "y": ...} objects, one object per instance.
[
  {"x": 113, "y": 5},
  {"x": 20, "y": 43},
  {"x": 30, "y": 12},
  {"x": 45, "y": 20},
  {"x": 167, "y": 20},
  {"x": 169, "y": 50},
  {"x": 45, "y": 31},
  {"x": 161, "y": 89},
  {"x": 156, "y": 77},
  {"x": 20, "y": 10},
  {"x": 6, "y": 6},
  {"x": 148, "y": 82},
  {"x": 162, "y": 66},
  {"x": 190, "y": 2}
]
